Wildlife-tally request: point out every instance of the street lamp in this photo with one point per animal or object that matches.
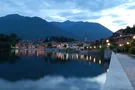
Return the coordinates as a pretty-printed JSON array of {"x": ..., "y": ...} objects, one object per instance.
[
  {"x": 127, "y": 43},
  {"x": 107, "y": 41},
  {"x": 100, "y": 46},
  {"x": 133, "y": 37},
  {"x": 108, "y": 44},
  {"x": 120, "y": 45}
]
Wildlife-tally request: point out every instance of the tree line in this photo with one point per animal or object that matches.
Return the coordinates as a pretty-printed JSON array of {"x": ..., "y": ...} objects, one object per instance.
[
  {"x": 6, "y": 41},
  {"x": 128, "y": 30}
]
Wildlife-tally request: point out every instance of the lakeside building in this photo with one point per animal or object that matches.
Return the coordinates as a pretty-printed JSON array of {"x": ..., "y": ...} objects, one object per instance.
[{"x": 123, "y": 39}]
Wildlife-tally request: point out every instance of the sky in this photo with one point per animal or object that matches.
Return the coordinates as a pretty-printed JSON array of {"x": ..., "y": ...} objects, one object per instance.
[{"x": 113, "y": 14}]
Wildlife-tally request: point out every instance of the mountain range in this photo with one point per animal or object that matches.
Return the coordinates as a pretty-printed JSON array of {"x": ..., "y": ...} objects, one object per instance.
[
  {"x": 93, "y": 31},
  {"x": 36, "y": 28}
]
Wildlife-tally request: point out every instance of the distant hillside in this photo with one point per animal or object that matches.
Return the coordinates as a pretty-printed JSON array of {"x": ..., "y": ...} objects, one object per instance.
[
  {"x": 36, "y": 28},
  {"x": 30, "y": 28},
  {"x": 94, "y": 30}
]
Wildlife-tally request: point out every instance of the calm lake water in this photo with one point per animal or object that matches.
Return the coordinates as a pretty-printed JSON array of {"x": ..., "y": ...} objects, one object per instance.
[{"x": 36, "y": 70}]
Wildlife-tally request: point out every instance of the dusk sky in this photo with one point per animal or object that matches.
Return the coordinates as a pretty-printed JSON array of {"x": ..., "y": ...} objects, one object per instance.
[{"x": 113, "y": 14}]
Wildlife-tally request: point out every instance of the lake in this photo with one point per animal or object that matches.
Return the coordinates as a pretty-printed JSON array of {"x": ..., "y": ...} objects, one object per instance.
[{"x": 37, "y": 69}]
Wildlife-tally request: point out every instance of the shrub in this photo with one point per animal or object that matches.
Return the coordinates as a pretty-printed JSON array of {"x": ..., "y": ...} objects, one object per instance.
[
  {"x": 132, "y": 50},
  {"x": 119, "y": 49}
]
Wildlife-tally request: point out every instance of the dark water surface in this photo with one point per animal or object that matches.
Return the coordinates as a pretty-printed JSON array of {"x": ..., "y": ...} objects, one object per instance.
[{"x": 36, "y": 70}]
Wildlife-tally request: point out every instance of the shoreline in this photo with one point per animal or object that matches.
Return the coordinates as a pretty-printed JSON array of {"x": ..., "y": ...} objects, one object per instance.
[{"x": 95, "y": 53}]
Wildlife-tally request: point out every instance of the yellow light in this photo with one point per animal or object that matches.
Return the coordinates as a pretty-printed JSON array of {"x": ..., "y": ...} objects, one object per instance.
[
  {"x": 128, "y": 43},
  {"x": 108, "y": 44},
  {"x": 120, "y": 45},
  {"x": 99, "y": 61},
  {"x": 90, "y": 57},
  {"x": 133, "y": 37},
  {"x": 107, "y": 41},
  {"x": 87, "y": 58},
  {"x": 94, "y": 60},
  {"x": 100, "y": 46},
  {"x": 87, "y": 47},
  {"x": 94, "y": 46},
  {"x": 90, "y": 47}
]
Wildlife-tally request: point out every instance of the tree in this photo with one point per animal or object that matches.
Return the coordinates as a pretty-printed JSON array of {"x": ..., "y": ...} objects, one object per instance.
[
  {"x": 65, "y": 45},
  {"x": 6, "y": 41},
  {"x": 49, "y": 45}
]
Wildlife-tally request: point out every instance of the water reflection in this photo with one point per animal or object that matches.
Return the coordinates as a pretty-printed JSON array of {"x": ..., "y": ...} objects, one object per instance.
[
  {"x": 59, "y": 55},
  {"x": 39, "y": 69},
  {"x": 8, "y": 56},
  {"x": 57, "y": 83}
]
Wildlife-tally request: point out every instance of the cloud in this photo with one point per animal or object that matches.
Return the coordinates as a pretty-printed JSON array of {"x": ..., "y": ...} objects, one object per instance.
[
  {"x": 78, "y": 15},
  {"x": 56, "y": 83},
  {"x": 104, "y": 12}
]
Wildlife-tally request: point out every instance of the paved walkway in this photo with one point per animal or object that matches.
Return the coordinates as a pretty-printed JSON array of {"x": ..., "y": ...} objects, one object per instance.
[
  {"x": 128, "y": 64},
  {"x": 116, "y": 78}
]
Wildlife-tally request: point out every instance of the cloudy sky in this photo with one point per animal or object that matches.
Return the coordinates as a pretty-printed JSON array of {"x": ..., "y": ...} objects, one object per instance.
[{"x": 113, "y": 14}]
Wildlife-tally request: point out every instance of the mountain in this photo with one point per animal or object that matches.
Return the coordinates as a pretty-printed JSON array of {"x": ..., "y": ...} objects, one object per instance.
[
  {"x": 36, "y": 28},
  {"x": 94, "y": 31},
  {"x": 30, "y": 27}
]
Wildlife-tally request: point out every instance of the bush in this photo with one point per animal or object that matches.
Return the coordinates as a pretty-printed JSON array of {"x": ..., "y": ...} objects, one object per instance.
[
  {"x": 119, "y": 49},
  {"x": 101, "y": 52},
  {"x": 132, "y": 50}
]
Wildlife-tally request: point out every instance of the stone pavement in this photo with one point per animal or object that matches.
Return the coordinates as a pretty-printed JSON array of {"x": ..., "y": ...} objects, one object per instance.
[
  {"x": 116, "y": 78},
  {"x": 128, "y": 64}
]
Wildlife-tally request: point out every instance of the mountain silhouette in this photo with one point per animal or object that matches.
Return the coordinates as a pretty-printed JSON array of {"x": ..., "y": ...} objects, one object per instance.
[
  {"x": 30, "y": 27},
  {"x": 94, "y": 31},
  {"x": 36, "y": 28}
]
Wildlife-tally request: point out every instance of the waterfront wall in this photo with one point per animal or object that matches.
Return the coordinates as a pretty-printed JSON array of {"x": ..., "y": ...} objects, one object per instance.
[{"x": 116, "y": 77}]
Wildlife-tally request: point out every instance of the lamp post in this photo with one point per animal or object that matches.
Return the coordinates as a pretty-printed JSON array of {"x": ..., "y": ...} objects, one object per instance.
[
  {"x": 129, "y": 44},
  {"x": 108, "y": 44},
  {"x": 107, "y": 41}
]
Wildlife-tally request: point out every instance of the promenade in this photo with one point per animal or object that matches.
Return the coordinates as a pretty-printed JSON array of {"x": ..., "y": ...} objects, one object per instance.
[
  {"x": 116, "y": 78},
  {"x": 128, "y": 64}
]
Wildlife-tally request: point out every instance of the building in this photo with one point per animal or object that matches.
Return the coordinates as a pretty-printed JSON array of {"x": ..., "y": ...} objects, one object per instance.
[{"x": 123, "y": 39}]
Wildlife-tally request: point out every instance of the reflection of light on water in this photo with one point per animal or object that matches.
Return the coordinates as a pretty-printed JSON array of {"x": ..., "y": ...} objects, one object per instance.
[
  {"x": 90, "y": 57},
  {"x": 77, "y": 56},
  {"x": 57, "y": 83},
  {"x": 87, "y": 58},
  {"x": 16, "y": 51},
  {"x": 37, "y": 53},
  {"x": 94, "y": 59},
  {"x": 67, "y": 55},
  {"x": 99, "y": 61},
  {"x": 59, "y": 55},
  {"x": 82, "y": 56}
]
